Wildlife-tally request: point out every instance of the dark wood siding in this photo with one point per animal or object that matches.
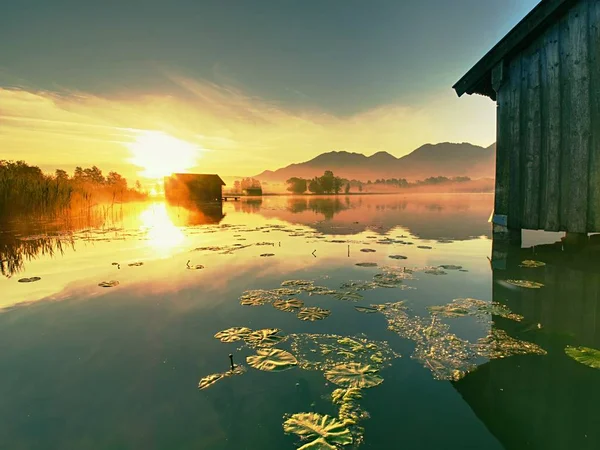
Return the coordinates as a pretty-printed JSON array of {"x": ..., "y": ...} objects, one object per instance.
[{"x": 549, "y": 127}]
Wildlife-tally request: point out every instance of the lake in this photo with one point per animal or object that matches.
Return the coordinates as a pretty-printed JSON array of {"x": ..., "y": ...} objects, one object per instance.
[{"x": 397, "y": 317}]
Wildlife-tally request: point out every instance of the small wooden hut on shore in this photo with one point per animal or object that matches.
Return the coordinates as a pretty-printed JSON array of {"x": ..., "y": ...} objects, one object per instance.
[
  {"x": 545, "y": 77},
  {"x": 193, "y": 187}
]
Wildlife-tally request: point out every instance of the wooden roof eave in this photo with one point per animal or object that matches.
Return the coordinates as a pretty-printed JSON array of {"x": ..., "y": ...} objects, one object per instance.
[{"x": 478, "y": 80}]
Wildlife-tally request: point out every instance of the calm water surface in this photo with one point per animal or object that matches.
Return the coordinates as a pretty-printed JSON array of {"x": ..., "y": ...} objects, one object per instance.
[{"x": 87, "y": 367}]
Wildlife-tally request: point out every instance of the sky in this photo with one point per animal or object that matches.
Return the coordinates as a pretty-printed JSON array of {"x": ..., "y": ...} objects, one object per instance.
[{"x": 237, "y": 86}]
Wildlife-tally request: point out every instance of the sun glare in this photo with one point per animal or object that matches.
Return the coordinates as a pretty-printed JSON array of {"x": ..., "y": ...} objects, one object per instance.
[{"x": 160, "y": 154}]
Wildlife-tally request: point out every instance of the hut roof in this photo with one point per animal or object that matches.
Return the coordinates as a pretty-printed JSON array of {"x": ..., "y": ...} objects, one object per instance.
[
  {"x": 208, "y": 178},
  {"x": 478, "y": 80}
]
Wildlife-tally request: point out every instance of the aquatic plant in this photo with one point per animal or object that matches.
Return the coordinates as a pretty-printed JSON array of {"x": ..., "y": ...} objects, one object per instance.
[
  {"x": 479, "y": 309},
  {"x": 29, "y": 280},
  {"x": 210, "y": 380},
  {"x": 320, "y": 432},
  {"x": 108, "y": 284},
  {"x": 584, "y": 355},
  {"x": 525, "y": 284},
  {"x": 532, "y": 264},
  {"x": 366, "y": 309},
  {"x": 313, "y": 313},
  {"x": 497, "y": 344},
  {"x": 266, "y": 255},
  {"x": 354, "y": 375},
  {"x": 136, "y": 264},
  {"x": 398, "y": 257},
  {"x": 450, "y": 267},
  {"x": 291, "y": 305},
  {"x": 267, "y": 337},
  {"x": 368, "y": 250},
  {"x": 424, "y": 247},
  {"x": 348, "y": 296},
  {"x": 272, "y": 360},
  {"x": 366, "y": 264},
  {"x": 233, "y": 334}
]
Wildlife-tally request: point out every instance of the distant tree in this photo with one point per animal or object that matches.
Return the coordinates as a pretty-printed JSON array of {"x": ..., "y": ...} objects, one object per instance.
[
  {"x": 297, "y": 185},
  {"x": 347, "y": 188},
  {"x": 315, "y": 186},
  {"x": 78, "y": 174},
  {"x": 327, "y": 182},
  {"x": 360, "y": 187},
  {"x": 369, "y": 182},
  {"x": 337, "y": 184},
  {"x": 93, "y": 175},
  {"x": 116, "y": 181},
  {"x": 237, "y": 187},
  {"x": 61, "y": 175},
  {"x": 461, "y": 179},
  {"x": 138, "y": 186}
]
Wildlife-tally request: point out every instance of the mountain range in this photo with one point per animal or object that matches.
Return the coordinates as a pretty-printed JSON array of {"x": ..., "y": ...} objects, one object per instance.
[{"x": 445, "y": 159}]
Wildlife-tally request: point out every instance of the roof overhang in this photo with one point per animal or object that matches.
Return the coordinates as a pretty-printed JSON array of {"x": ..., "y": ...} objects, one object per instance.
[{"x": 478, "y": 80}]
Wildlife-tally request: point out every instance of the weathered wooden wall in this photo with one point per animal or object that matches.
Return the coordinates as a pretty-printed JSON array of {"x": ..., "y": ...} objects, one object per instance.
[{"x": 548, "y": 143}]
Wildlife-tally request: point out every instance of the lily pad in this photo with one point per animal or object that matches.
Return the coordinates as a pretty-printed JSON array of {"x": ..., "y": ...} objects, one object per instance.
[
  {"x": 365, "y": 309},
  {"x": 424, "y": 247},
  {"x": 320, "y": 432},
  {"x": 450, "y": 267},
  {"x": 209, "y": 380},
  {"x": 354, "y": 375},
  {"x": 272, "y": 360},
  {"x": 233, "y": 334},
  {"x": 266, "y": 255},
  {"x": 108, "y": 284},
  {"x": 366, "y": 264},
  {"x": 348, "y": 296},
  {"x": 434, "y": 271},
  {"x": 340, "y": 395},
  {"x": 480, "y": 309},
  {"x": 136, "y": 264},
  {"x": 498, "y": 344},
  {"x": 29, "y": 280},
  {"x": 368, "y": 250},
  {"x": 584, "y": 355},
  {"x": 313, "y": 313},
  {"x": 532, "y": 264},
  {"x": 291, "y": 305},
  {"x": 525, "y": 284},
  {"x": 267, "y": 337},
  {"x": 398, "y": 257}
]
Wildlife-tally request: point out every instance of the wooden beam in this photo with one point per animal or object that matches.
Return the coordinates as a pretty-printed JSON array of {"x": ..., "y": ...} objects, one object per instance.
[
  {"x": 579, "y": 139},
  {"x": 550, "y": 124},
  {"x": 501, "y": 198},
  {"x": 514, "y": 144},
  {"x": 594, "y": 169}
]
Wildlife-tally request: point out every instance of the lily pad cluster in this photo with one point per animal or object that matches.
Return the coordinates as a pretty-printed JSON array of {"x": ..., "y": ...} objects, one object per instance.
[
  {"x": 209, "y": 380},
  {"x": 525, "y": 284},
  {"x": 480, "y": 309}
]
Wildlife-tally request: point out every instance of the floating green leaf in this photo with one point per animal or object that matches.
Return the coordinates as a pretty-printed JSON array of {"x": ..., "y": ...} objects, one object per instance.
[
  {"x": 313, "y": 313},
  {"x": 321, "y": 432},
  {"x": 398, "y": 257},
  {"x": 341, "y": 395},
  {"x": 366, "y": 264},
  {"x": 267, "y": 337},
  {"x": 354, "y": 375},
  {"x": 272, "y": 360},
  {"x": 584, "y": 355},
  {"x": 108, "y": 284},
  {"x": 368, "y": 250},
  {"x": 291, "y": 305},
  {"x": 450, "y": 267},
  {"x": 136, "y": 264},
  {"x": 266, "y": 255},
  {"x": 424, "y": 247},
  {"x": 532, "y": 264},
  {"x": 29, "y": 280},
  {"x": 233, "y": 334},
  {"x": 525, "y": 284},
  {"x": 434, "y": 271}
]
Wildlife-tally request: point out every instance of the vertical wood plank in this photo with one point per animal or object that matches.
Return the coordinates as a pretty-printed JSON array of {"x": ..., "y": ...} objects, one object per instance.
[
  {"x": 565, "y": 120},
  {"x": 594, "y": 170},
  {"x": 550, "y": 122},
  {"x": 579, "y": 140},
  {"x": 531, "y": 147},
  {"x": 501, "y": 199},
  {"x": 514, "y": 204}
]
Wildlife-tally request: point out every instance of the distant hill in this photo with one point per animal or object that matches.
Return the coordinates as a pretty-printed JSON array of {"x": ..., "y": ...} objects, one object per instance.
[{"x": 446, "y": 159}]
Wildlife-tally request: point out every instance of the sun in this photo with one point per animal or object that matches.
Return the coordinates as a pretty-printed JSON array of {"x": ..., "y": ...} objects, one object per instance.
[{"x": 160, "y": 155}]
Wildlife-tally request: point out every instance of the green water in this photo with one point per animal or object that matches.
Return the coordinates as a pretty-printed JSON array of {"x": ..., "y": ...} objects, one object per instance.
[{"x": 86, "y": 367}]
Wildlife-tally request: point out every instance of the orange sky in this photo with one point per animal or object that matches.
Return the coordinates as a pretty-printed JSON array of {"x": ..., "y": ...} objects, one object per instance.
[{"x": 218, "y": 129}]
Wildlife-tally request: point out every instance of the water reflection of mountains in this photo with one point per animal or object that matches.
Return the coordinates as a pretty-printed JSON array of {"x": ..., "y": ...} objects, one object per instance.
[
  {"x": 441, "y": 216},
  {"x": 543, "y": 402}
]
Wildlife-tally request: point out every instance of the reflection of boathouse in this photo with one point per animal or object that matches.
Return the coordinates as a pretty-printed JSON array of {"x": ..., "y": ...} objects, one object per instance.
[
  {"x": 543, "y": 402},
  {"x": 183, "y": 187}
]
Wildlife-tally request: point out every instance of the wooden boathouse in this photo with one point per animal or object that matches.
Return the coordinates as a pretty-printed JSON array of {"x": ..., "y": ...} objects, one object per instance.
[
  {"x": 193, "y": 187},
  {"x": 545, "y": 77}
]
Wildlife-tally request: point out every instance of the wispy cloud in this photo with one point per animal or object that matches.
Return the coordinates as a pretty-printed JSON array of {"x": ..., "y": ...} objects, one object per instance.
[{"x": 240, "y": 133}]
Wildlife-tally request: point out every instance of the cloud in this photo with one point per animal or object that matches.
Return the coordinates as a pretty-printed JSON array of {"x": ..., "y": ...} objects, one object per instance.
[{"x": 239, "y": 133}]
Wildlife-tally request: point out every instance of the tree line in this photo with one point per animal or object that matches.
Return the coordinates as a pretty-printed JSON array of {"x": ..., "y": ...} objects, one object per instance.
[
  {"x": 25, "y": 188},
  {"x": 330, "y": 184}
]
